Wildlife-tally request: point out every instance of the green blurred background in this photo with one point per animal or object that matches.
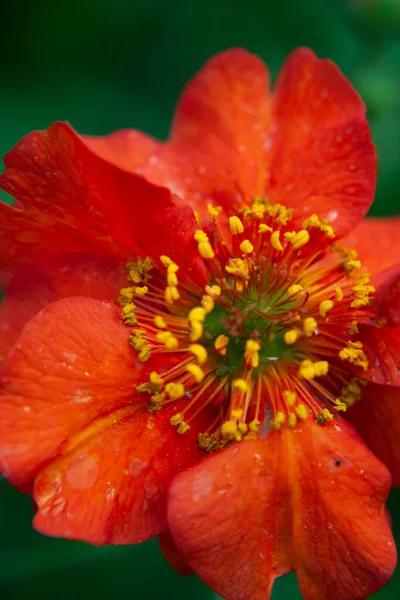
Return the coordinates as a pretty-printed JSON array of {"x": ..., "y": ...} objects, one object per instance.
[{"x": 105, "y": 65}]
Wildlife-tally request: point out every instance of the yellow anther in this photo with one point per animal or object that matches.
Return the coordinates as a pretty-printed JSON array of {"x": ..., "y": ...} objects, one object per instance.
[
  {"x": 301, "y": 412},
  {"x": 197, "y": 314},
  {"x": 200, "y": 352},
  {"x": 292, "y": 420},
  {"x": 221, "y": 344},
  {"x": 321, "y": 368},
  {"x": 246, "y": 246},
  {"x": 297, "y": 239},
  {"x": 237, "y": 413},
  {"x": 350, "y": 264},
  {"x": 176, "y": 419},
  {"x": 175, "y": 390},
  {"x": 141, "y": 290},
  {"x": 290, "y": 397},
  {"x": 204, "y": 245},
  {"x": 278, "y": 420},
  {"x": 243, "y": 428},
  {"x": 322, "y": 225},
  {"x": 172, "y": 279},
  {"x": 182, "y": 428},
  {"x": 162, "y": 336},
  {"x": 196, "y": 331},
  {"x": 171, "y": 294},
  {"x": 159, "y": 322},
  {"x": 171, "y": 343},
  {"x": 280, "y": 213},
  {"x": 166, "y": 261},
  {"x": 251, "y": 353},
  {"x": 208, "y": 442},
  {"x": 354, "y": 328},
  {"x": 156, "y": 379},
  {"x": 339, "y": 405},
  {"x": 351, "y": 393},
  {"x": 325, "y": 306},
  {"x": 254, "y": 425},
  {"x": 291, "y": 336},
  {"x": 235, "y": 225},
  {"x": 213, "y": 211},
  {"x": 126, "y": 295},
  {"x": 197, "y": 372},
  {"x": 228, "y": 429},
  {"x": 338, "y": 294},
  {"x": 324, "y": 416},
  {"x": 213, "y": 290},
  {"x": 197, "y": 216},
  {"x": 354, "y": 354},
  {"x": 237, "y": 266},
  {"x": 309, "y": 326},
  {"x": 263, "y": 228},
  {"x": 275, "y": 241},
  {"x": 139, "y": 271},
  {"x": 207, "y": 303},
  {"x": 295, "y": 289},
  {"x": 240, "y": 384},
  {"x": 128, "y": 314}
]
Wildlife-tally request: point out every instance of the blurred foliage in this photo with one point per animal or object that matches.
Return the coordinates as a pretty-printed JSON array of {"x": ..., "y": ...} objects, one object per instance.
[{"x": 106, "y": 65}]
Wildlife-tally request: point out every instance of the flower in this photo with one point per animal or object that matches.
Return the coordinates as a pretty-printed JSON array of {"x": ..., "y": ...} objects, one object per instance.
[{"x": 190, "y": 327}]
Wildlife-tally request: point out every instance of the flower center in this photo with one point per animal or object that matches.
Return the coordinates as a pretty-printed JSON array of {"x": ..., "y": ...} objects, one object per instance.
[{"x": 268, "y": 341}]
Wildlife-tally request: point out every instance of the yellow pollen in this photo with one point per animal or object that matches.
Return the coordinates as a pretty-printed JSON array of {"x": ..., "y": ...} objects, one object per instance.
[
  {"x": 159, "y": 322},
  {"x": 200, "y": 352},
  {"x": 237, "y": 413},
  {"x": 275, "y": 241},
  {"x": 308, "y": 370},
  {"x": 339, "y": 405},
  {"x": 278, "y": 420},
  {"x": 246, "y": 246},
  {"x": 166, "y": 261},
  {"x": 237, "y": 266},
  {"x": 354, "y": 354},
  {"x": 207, "y": 303},
  {"x": 204, "y": 245},
  {"x": 297, "y": 239},
  {"x": 251, "y": 353},
  {"x": 322, "y": 225},
  {"x": 290, "y": 397},
  {"x": 176, "y": 419},
  {"x": 128, "y": 314},
  {"x": 339, "y": 294},
  {"x": 254, "y": 425},
  {"x": 240, "y": 384},
  {"x": 196, "y": 332},
  {"x": 141, "y": 291},
  {"x": 291, "y": 336},
  {"x": 263, "y": 228},
  {"x": 175, "y": 390},
  {"x": 321, "y": 368},
  {"x": 309, "y": 326},
  {"x": 325, "y": 306},
  {"x": 301, "y": 412},
  {"x": 171, "y": 294},
  {"x": 354, "y": 328},
  {"x": 213, "y": 211},
  {"x": 197, "y": 314},
  {"x": 221, "y": 343},
  {"x": 235, "y": 225},
  {"x": 292, "y": 420},
  {"x": 156, "y": 379},
  {"x": 294, "y": 289},
  {"x": 324, "y": 416},
  {"x": 350, "y": 264},
  {"x": 228, "y": 429},
  {"x": 171, "y": 343},
  {"x": 183, "y": 427},
  {"x": 172, "y": 279},
  {"x": 213, "y": 290},
  {"x": 197, "y": 372}
]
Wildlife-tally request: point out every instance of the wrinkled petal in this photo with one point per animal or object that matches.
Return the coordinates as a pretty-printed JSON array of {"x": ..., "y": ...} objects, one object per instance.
[
  {"x": 382, "y": 348},
  {"x": 310, "y": 500},
  {"x": 75, "y": 201},
  {"x": 46, "y": 280},
  {"x": 110, "y": 484},
  {"x": 377, "y": 419},
  {"x": 377, "y": 241},
  {"x": 386, "y": 301},
  {"x": 215, "y": 152},
  {"x": 128, "y": 149},
  {"x": 71, "y": 365},
  {"x": 319, "y": 149}
]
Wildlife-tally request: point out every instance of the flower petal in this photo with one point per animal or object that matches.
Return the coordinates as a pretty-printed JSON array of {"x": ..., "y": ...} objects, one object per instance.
[
  {"x": 215, "y": 153},
  {"x": 310, "y": 500},
  {"x": 377, "y": 419},
  {"x": 172, "y": 554},
  {"x": 46, "y": 280},
  {"x": 71, "y": 365},
  {"x": 377, "y": 241},
  {"x": 319, "y": 149},
  {"x": 382, "y": 348},
  {"x": 128, "y": 149},
  {"x": 75, "y": 201},
  {"x": 110, "y": 484},
  {"x": 386, "y": 301}
]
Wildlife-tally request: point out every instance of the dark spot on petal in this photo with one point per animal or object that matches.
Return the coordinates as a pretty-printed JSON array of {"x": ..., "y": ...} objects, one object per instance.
[{"x": 338, "y": 462}]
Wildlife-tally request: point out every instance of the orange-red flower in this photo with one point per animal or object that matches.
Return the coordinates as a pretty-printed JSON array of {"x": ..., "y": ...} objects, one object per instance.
[{"x": 190, "y": 326}]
